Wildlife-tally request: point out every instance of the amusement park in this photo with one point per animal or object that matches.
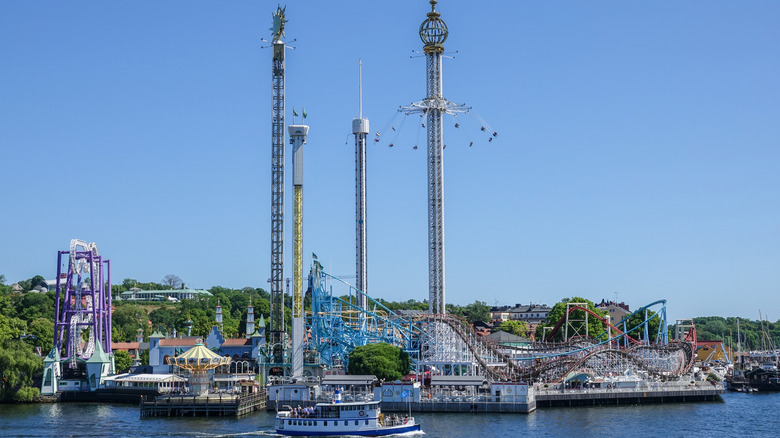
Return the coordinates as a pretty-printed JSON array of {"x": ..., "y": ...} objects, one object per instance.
[
  {"x": 297, "y": 358},
  {"x": 631, "y": 359}
]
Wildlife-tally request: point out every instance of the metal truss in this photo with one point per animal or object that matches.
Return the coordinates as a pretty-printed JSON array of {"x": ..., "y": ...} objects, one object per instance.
[
  {"x": 82, "y": 304},
  {"x": 338, "y": 325},
  {"x": 433, "y": 106},
  {"x": 277, "y": 201},
  {"x": 446, "y": 344}
]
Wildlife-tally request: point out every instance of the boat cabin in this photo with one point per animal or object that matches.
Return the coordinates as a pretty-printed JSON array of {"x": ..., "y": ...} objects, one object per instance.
[{"x": 358, "y": 418}]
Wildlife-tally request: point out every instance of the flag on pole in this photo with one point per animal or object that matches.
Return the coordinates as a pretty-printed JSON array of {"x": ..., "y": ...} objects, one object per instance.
[
  {"x": 295, "y": 113},
  {"x": 304, "y": 112}
]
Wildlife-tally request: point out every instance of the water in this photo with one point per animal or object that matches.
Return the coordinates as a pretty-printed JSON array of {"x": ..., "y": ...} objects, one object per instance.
[{"x": 739, "y": 415}]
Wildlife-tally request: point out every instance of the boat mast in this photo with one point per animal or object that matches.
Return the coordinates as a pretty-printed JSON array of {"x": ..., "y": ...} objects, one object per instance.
[{"x": 739, "y": 349}]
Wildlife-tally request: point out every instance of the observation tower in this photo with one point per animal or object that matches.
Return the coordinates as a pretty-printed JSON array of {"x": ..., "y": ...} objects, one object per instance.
[{"x": 433, "y": 33}]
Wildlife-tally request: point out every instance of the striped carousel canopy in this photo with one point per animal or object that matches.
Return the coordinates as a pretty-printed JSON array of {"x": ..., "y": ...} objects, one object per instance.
[{"x": 198, "y": 358}]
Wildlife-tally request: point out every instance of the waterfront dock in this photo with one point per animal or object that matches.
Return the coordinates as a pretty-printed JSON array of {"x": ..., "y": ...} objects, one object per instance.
[
  {"x": 604, "y": 397},
  {"x": 475, "y": 405},
  {"x": 214, "y": 405}
]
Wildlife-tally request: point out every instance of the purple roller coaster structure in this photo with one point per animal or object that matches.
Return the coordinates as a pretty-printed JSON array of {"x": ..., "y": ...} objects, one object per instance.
[{"x": 82, "y": 306}]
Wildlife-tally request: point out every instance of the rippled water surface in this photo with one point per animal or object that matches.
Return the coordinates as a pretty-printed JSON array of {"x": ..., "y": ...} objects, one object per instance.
[{"x": 739, "y": 415}]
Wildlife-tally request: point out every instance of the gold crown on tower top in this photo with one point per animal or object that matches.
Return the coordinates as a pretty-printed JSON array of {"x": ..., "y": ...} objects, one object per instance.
[{"x": 433, "y": 31}]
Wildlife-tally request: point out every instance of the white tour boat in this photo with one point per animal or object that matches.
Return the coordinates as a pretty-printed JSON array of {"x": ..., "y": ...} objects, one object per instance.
[{"x": 350, "y": 418}]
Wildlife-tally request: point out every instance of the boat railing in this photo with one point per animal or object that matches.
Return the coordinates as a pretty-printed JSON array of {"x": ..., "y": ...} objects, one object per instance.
[{"x": 395, "y": 420}]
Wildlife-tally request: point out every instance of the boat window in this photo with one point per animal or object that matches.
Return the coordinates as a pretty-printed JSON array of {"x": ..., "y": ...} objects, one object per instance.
[
  {"x": 326, "y": 422},
  {"x": 366, "y": 422},
  {"x": 356, "y": 422}
]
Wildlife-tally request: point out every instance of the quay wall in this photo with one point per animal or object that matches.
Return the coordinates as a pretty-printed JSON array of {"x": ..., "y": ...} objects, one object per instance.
[
  {"x": 600, "y": 397},
  {"x": 462, "y": 406},
  {"x": 108, "y": 395},
  {"x": 518, "y": 404}
]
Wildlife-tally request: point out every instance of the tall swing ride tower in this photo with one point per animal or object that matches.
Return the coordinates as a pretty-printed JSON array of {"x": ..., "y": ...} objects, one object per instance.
[
  {"x": 277, "y": 187},
  {"x": 433, "y": 33}
]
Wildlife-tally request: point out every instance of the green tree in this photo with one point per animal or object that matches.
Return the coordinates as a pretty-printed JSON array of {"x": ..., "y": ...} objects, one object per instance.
[
  {"x": 478, "y": 311},
  {"x": 145, "y": 357},
  {"x": 11, "y": 328},
  {"x": 576, "y": 320},
  {"x": 32, "y": 283},
  {"x": 116, "y": 290},
  {"x": 34, "y": 305},
  {"x": 43, "y": 330},
  {"x": 129, "y": 283},
  {"x": 634, "y": 326},
  {"x": 163, "y": 317},
  {"x": 517, "y": 328},
  {"x": 382, "y": 360},
  {"x": 127, "y": 318},
  {"x": 26, "y": 285},
  {"x": 38, "y": 281},
  {"x": 18, "y": 366},
  {"x": 122, "y": 360},
  {"x": 4, "y": 290}
]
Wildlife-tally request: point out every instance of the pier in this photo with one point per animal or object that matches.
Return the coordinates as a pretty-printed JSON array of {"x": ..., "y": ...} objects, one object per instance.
[
  {"x": 475, "y": 405},
  {"x": 211, "y": 405},
  {"x": 604, "y": 397}
]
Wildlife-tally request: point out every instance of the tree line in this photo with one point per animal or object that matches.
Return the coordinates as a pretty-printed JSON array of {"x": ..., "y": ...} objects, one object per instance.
[{"x": 27, "y": 321}]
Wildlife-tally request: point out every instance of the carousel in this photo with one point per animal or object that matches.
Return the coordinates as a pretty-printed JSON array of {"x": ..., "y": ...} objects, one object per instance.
[{"x": 198, "y": 360}]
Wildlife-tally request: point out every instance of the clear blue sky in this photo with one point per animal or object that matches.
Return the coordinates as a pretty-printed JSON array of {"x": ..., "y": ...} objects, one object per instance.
[{"x": 638, "y": 148}]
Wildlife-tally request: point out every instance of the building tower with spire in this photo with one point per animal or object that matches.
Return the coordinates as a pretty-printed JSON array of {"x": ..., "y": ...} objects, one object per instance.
[
  {"x": 433, "y": 33},
  {"x": 219, "y": 315},
  {"x": 189, "y": 327},
  {"x": 360, "y": 129},
  {"x": 250, "y": 319}
]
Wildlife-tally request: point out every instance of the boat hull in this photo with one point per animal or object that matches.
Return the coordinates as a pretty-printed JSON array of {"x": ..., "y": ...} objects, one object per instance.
[{"x": 365, "y": 432}]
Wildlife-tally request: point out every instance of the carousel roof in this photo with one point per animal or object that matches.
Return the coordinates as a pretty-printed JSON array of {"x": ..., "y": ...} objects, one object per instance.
[{"x": 198, "y": 358}]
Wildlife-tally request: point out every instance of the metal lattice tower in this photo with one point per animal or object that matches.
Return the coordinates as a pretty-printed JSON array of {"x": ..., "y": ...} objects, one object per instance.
[
  {"x": 277, "y": 187},
  {"x": 360, "y": 129},
  {"x": 297, "y": 139},
  {"x": 433, "y": 33}
]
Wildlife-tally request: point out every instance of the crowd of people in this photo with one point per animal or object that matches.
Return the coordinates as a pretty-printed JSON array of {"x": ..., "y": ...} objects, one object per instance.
[{"x": 307, "y": 412}]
